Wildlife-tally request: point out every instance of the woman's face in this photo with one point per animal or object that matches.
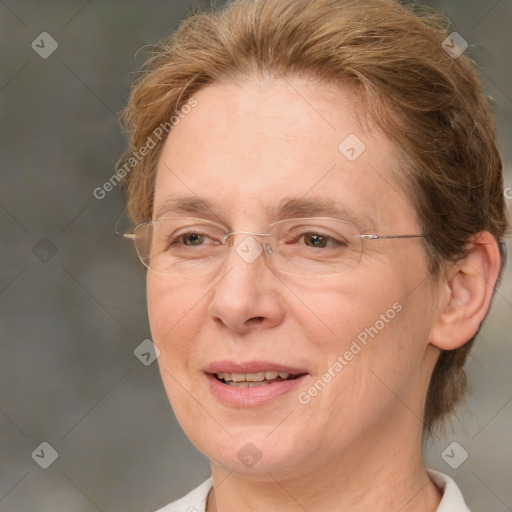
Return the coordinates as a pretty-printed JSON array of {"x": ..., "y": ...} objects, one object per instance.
[{"x": 358, "y": 341}]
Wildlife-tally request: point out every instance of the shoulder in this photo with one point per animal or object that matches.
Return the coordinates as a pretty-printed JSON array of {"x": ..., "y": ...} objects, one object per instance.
[
  {"x": 194, "y": 501},
  {"x": 452, "y": 500}
]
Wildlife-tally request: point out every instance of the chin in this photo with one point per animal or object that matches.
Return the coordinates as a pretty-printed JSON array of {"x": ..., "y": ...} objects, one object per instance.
[{"x": 251, "y": 450}]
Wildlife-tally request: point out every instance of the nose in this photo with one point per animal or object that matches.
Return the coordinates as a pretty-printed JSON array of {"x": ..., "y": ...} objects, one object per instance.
[{"x": 246, "y": 295}]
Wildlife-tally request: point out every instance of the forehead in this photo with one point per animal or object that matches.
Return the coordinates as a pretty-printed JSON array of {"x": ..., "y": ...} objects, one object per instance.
[{"x": 246, "y": 146}]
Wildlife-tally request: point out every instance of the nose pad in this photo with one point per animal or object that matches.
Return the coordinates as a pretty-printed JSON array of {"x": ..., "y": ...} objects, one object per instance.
[{"x": 268, "y": 248}]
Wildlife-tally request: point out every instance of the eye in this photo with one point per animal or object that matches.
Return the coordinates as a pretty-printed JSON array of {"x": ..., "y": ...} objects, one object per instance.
[
  {"x": 315, "y": 240},
  {"x": 189, "y": 239},
  {"x": 194, "y": 238},
  {"x": 320, "y": 241}
]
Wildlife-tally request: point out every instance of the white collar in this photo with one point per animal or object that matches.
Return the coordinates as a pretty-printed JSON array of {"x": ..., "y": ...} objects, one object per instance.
[{"x": 452, "y": 500}]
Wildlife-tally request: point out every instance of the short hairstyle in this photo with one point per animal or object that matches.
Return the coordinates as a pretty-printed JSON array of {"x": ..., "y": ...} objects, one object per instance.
[{"x": 430, "y": 104}]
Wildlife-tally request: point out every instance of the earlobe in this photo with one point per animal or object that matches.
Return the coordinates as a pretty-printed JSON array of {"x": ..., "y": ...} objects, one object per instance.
[{"x": 467, "y": 292}]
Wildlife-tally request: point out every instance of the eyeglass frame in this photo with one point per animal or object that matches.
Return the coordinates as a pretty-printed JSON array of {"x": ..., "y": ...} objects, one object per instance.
[{"x": 133, "y": 236}]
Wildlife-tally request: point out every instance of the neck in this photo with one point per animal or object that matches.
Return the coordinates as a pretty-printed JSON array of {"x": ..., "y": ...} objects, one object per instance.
[{"x": 383, "y": 470}]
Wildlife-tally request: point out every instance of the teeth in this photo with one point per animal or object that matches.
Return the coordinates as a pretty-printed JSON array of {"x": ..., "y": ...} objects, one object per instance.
[
  {"x": 252, "y": 378},
  {"x": 255, "y": 377},
  {"x": 247, "y": 384}
]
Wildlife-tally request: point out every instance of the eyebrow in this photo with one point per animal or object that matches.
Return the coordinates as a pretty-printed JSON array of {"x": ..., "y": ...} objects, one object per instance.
[
  {"x": 287, "y": 208},
  {"x": 185, "y": 204}
]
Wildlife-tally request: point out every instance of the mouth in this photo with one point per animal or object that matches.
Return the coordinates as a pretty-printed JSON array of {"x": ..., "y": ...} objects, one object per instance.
[
  {"x": 250, "y": 380},
  {"x": 251, "y": 384}
]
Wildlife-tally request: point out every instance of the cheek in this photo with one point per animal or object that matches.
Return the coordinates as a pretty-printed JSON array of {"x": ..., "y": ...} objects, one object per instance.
[
  {"x": 381, "y": 327},
  {"x": 334, "y": 315},
  {"x": 176, "y": 316},
  {"x": 175, "y": 319}
]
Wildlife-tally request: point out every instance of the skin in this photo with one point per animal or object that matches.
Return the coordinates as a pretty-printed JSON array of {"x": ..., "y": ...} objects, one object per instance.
[{"x": 358, "y": 443}]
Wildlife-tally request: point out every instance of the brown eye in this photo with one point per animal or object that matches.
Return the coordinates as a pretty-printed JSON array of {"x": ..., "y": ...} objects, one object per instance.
[
  {"x": 319, "y": 241},
  {"x": 193, "y": 238},
  {"x": 315, "y": 240}
]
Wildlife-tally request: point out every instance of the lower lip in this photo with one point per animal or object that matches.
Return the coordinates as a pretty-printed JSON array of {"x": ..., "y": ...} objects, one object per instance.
[{"x": 251, "y": 396}]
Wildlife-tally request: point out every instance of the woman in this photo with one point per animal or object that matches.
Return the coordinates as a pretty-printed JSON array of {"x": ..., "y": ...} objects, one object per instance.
[{"x": 319, "y": 203}]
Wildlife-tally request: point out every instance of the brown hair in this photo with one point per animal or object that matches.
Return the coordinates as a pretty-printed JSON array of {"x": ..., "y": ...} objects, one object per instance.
[{"x": 430, "y": 104}]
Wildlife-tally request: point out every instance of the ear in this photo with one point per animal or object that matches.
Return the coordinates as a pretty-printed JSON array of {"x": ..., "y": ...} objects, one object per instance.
[{"x": 466, "y": 292}]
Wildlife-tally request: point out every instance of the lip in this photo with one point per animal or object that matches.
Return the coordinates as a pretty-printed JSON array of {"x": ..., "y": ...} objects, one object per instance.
[{"x": 251, "y": 396}]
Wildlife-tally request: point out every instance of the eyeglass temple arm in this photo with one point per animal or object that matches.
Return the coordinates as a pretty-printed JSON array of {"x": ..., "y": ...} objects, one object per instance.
[{"x": 380, "y": 237}]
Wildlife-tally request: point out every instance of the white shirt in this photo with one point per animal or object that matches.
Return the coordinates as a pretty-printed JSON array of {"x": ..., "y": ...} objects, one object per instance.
[{"x": 452, "y": 500}]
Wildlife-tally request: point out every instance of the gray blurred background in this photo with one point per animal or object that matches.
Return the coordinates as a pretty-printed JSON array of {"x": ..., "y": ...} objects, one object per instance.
[{"x": 72, "y": 296}]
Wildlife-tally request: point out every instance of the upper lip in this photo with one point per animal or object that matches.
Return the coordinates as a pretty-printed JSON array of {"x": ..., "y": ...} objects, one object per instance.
[{"x": 251, "y": 367}]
